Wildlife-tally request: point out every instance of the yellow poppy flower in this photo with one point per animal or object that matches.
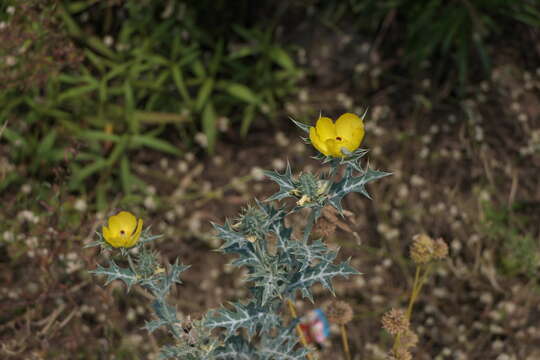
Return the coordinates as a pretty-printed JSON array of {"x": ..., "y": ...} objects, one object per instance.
[
  {"x": 124, "y": 230},
  {"x": 330, "y": 138}
]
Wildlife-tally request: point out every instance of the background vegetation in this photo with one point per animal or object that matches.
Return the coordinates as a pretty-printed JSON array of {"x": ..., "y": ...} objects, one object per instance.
[{"x": 164, "y": 106}]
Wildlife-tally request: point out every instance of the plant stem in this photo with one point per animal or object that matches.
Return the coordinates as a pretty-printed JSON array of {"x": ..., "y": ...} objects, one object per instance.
[
  {"x": 131, "y": 264},
  {"x": 420, "y": 278},
  {"x": 313, "y": 215},
  {"x": 303, "y": 340},
  {"x": 345, "y": 341},
  {"x": 412, "y": 299}
]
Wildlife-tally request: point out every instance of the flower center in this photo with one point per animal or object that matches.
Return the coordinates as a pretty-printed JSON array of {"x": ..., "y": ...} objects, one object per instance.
[{"x": 338, "y": 138}]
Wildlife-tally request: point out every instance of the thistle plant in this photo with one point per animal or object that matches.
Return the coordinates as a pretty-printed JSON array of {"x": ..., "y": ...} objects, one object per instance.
[{"x": 279, "y": 265}]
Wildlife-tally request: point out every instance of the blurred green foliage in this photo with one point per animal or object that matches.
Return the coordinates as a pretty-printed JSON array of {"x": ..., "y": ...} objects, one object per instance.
[
  {"x": 154, "y": 74},
  {"x": 93, "y": 83},
  {"x": 517, "y": 251},
  {"x": 453, "y": 36}
]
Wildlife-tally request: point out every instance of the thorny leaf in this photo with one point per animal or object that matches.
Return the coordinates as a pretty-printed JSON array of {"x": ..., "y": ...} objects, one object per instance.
[
  {"x": 285, "y": 182},
  {"x": 323, "y": 272},
  {"x": 114, "y": 272},
  {"x": 350, "y": 183},
  {"x": 250, "y": 317}
]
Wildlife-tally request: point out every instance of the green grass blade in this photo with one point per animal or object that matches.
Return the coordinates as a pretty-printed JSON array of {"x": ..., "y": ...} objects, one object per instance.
[
  {"x": 154, "y": 143},
  {"x": 280, "y": 57},
  {"x": 178, "y": 78},
  {"x": 249, "y": 115},
  {"x": 125, "y": 175},
  {"x": 204, "y": 93},
  {"x": 87, "y": 171},
  {"x": 209, "y": 126},
  {"x": 242, "y": 92}
]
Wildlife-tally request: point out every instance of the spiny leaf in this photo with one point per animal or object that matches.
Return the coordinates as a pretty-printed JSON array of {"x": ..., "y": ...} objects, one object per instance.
[
  {"x": 323, "y": 273},
  {"x": 350, "y": 183},
  {"x": 272, "y": 214},
  {"x": 161, "y": 284},
  {"x": 276, "y": 224},
  {"x": 285, "y": 182},
  {"x": 146, "y": 237},
  {"x": 271, "y": 278},
  {"x": 166, "y": 315},
  {"x": 114, "y": 272},
  {"x": 164, "y": 311},
  {"x": 235, "y": 348},
  {"x": 282, "y": 346},
  {"x": 307, "y": 254},
  {"x": 302, "y": 126},
  {"x": 251, "y": 317},
  {"x": 184, "y": 352},
  {"x": 232, "y": 238},
  {"x": 153, "y": 325},
  {"x": 247, "y": 257}
]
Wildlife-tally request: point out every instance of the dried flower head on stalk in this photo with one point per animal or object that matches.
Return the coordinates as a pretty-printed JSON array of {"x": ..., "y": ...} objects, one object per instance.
[
  {"x": 422, "y": 249},
  {"x": 440, "y": 249},
  {"x": 395, "y": 322},
  {"x": 408, "y": 339},
  {"x": 339, "y": 312},
  {"x": 399, "y": 354}
]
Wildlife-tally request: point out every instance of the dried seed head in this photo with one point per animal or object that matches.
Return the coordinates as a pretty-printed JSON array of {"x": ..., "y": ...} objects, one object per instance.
[
  {"x": 408, "y": 339},
  {"x": 339, "y": 312},
  {"x": 399, "y": 354},
  {"x": 422, "y": 249},
  {"x": 324, "y": 228},
  {"x": 440, "y": 249},
  {"x": 395, "y": 322}
]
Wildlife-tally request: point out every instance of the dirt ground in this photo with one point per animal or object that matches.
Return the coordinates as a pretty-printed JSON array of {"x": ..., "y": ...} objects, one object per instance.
[{"x": 466, "y": 171}]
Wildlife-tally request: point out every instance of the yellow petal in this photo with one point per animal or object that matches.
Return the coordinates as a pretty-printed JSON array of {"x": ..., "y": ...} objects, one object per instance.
[
  {"x": 106, "y": 234},
  {"x": 114, "y": 241},
  {"x": 317, "y": 142},
  {"x": 325, "y": 129},
  {"x": 128, "y": 220},
  {"x": 349, "y": 145},
  {"x": 356, "y": 140},
  {"x": 115, "y": 225},
  {"x": 333, "y": 147},
  {"x": 347, "y": 125},
  {"x": 135, "y": 237}
]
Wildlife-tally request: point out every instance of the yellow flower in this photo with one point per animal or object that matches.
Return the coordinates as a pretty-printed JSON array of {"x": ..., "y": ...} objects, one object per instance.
[
  {"x": 124, "y": 230},
  {"x": 330, "y": 138}
]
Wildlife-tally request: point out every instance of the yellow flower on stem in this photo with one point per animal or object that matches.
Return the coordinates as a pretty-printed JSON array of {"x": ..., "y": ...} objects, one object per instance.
[
  {"x": 124, "y": 230},
  {"x": 330, "y": 138}
]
